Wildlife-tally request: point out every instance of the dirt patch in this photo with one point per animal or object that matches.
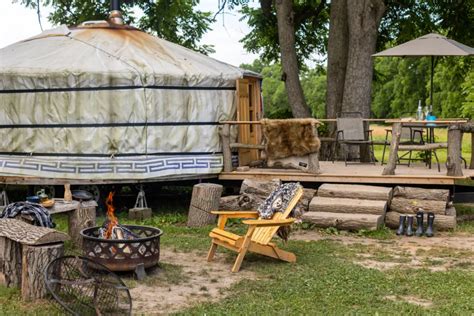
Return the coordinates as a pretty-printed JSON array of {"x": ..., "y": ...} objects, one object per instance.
[
  {"x": 411, "y": 300},
  {"x": 200, "y": 281},
  {"x": 439, "y": 253}
]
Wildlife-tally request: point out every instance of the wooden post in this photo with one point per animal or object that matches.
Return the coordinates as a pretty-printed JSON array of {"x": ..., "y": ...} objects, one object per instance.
[
  {"x": 313, "y": 158},
  {"x": 224, "y": 132},
  {"x": 81, "y": 218},
  {"x": 393, "y": 157},
  {"x": 35, "y": 259},
  {"x": 205, "y": 198},
  {"x": 453, "y": 162},
  {"x": 10, "y": 262}
]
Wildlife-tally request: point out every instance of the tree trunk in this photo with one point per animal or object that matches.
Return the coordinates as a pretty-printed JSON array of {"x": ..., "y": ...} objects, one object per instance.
[
  {"x": 363, "y": 21},
  {"x": 286, "y": 38},
  {"x": 204, "y": 200},
  {"x": 337, "y": 59},
  {"x": 34, "y": 261}
]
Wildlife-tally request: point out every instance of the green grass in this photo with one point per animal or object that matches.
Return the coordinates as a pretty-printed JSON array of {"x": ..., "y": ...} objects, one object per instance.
[
  {"x": 441, "y": 135},
  {"x": 325, "y": 280}
]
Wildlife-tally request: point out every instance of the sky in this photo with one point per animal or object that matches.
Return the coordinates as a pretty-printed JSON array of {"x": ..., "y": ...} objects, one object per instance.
[{"x": 18, "y": 23}]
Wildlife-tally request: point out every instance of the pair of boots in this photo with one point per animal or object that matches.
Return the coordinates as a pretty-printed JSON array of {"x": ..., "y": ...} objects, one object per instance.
[{"x": 419, "y": 223}]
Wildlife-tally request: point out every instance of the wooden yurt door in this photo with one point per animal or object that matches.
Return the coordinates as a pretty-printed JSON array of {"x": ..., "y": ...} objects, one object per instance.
[{"x": 249, "y": 108}]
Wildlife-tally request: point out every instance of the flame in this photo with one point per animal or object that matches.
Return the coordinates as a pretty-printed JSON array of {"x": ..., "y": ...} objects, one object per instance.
[{"x": 113, "y": 221}]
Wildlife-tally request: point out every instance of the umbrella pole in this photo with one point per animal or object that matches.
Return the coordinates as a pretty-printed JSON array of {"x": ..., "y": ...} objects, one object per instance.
[{"x": 432, "y": 72}]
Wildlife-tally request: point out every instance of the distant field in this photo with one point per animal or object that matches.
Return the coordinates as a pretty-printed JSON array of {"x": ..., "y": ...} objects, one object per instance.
[{"x": 441, "y": 135}]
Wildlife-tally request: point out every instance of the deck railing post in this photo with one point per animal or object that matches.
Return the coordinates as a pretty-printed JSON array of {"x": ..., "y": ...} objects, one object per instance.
[
  {"x": 392, "y": 159},
  {"x": 453, "y": 162},
  {"x": 313, "y": 158},
  {"x": 224, "y": 132}
]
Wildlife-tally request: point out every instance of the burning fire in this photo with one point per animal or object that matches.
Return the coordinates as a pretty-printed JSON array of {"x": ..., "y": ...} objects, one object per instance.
[{"x": 111, "y": 218}]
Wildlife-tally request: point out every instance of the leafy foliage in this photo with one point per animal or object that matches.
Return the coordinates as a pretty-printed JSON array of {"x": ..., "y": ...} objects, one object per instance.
[
  {"x": 311, "y": 20},
  {"x": 177, "y": 21},
  {"x": 275, "y": 100}
]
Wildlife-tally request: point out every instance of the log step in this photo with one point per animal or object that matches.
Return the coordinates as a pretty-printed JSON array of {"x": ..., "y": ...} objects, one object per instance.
[
  {"x": 441, "y": 222},
  {"x": 364, "y": 192},
  {"x": 403, "y": 205},
  {"x": 348, "y": 206},
  {"x": 344, "y": 221}
]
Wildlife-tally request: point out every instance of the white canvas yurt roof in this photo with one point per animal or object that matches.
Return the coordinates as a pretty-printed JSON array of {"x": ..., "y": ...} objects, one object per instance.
[{"x": 112, "y": 102}]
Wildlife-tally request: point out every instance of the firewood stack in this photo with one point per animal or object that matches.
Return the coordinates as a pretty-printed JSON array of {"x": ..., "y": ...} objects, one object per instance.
[
  {"x": 254, "y": 192},
  {"x": 349, "y": 207},
  {"x": 409, "y": 200}
]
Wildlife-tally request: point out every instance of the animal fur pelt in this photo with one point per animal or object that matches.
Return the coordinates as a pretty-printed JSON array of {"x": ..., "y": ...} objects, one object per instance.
[{"x": 291, "y": 137}]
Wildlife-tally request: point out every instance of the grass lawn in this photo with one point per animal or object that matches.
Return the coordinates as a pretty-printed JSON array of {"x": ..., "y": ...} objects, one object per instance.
[
  {"x": 336, "y": 273},
  {"x": 441, "y": 135}
]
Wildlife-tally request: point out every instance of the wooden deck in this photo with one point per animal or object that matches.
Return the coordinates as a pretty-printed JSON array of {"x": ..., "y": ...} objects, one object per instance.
[{"x": 337, "y": 172}]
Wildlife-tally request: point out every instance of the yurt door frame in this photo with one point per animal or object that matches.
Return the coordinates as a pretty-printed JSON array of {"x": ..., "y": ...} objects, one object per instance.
[{"x": 249, "y": 108}]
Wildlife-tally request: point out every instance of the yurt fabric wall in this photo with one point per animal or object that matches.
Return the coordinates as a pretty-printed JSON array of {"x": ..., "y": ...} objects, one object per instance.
[{"x": 101, "y": 102}]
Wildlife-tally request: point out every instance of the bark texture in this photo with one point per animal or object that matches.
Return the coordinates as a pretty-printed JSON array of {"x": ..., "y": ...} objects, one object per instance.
[
  {"x": 10, "y": 262},
  {"x": 289, "y": 60},
  {"x": 421, "y": 194},
  {"x": 353, "y": 191},
  {"x": 453, "y": 162},
  {"x": 344, "y": 221},
  {"x": 34, "y": 261},
  {"x": 441, "y": 222},
  {"x": 204, "y": 200},
  {"x": 338, "y": 48},
  {"x": 408, "y": 206},
  {"x": 81, "y": 218},
  {"x": 341, "y": 205}
]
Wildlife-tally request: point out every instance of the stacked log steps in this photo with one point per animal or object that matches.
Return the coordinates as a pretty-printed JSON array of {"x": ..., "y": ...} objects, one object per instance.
[
  {"x": 409, "y": 200},
  {"x": 349, "y": 207}
]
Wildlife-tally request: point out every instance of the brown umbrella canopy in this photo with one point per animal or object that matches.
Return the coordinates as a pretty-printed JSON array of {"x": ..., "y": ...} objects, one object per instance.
[{"x": 428, "y": 45}]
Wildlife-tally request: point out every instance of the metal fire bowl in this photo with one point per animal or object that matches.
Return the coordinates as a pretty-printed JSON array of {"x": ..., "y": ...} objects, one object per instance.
[{"x": 123, "y": 254}]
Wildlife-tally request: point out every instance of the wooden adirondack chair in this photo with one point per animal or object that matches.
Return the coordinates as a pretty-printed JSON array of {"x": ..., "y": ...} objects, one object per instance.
[{"x": 258, "y": 236}]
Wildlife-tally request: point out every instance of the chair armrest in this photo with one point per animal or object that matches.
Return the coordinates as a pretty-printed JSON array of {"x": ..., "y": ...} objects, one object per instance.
[
  {"x": 236, "y": 214},
  {"x": 269, "y": 222}
]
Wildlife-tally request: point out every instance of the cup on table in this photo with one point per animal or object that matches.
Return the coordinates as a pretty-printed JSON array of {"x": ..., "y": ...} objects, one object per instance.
[{"x": 431, "y": 118}]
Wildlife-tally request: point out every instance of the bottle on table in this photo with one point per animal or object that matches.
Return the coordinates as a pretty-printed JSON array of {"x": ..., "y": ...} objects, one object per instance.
[{"x": 419, "y": 112}]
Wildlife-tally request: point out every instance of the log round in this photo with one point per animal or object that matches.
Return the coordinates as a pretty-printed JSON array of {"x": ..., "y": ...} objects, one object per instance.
[
  {"x": 204, "y": 200},
  {"x": 348, "y": 206},
  {"x": 441, "y": 222},
  {"x": 354, "y": 191},
  {"x": 408, "y": 206},
  {"x": 10, "y": 262},
  {"x": 421, "y": 194},
  {"x": 82, "y": 218},
  {"x": 34, "y": 261},
  {"x": 344, "y": 221}
]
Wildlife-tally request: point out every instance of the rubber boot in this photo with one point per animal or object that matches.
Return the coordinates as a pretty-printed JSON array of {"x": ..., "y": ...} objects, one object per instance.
[
  {"x": 409, "y": 226},
  {"x": 401, "y": 225},
  {"x": 429, "y": 230},
  {"x": 419, "y": 224}
]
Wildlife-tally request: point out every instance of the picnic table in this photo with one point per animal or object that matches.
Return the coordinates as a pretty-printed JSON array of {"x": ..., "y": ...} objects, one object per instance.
[{"x": 455, "y": 129}]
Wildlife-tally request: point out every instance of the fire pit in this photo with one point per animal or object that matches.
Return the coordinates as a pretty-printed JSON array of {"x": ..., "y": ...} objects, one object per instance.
[{"x": 123, "y": 254}]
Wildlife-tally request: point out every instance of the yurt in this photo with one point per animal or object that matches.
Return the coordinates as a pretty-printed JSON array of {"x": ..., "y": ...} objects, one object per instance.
[{"x": 105, "y": 101}]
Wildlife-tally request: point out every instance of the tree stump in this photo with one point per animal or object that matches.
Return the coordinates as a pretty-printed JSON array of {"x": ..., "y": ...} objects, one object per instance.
[
  {"x": 453, "y": 162},
  {"x": 205, "y": 198},
  {"x": 10, "y": 262},
  {"x": 34, "y": 261},
  {"x": 81, "y": 218}
]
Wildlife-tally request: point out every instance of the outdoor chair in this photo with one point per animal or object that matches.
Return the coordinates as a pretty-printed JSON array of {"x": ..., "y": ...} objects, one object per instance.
[
  {"x": 259, "y": 233},
  {"x": 351, "y": 132},
  {"x": 409, "y": 136}
]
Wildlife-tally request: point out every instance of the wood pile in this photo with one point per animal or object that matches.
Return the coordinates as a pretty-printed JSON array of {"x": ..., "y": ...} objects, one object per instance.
[
  {"x": 349, "y": 207},
  {"x": 409, "y": 200},
  {"x": 254, "y": 192}
]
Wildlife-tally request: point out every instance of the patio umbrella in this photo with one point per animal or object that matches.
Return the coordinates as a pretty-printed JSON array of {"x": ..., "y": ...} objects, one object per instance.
[{"x": 433, "y": 45}]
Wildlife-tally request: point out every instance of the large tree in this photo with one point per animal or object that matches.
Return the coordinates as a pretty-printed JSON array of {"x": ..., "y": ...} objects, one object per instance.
[{"x": 288, "y": 31}]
